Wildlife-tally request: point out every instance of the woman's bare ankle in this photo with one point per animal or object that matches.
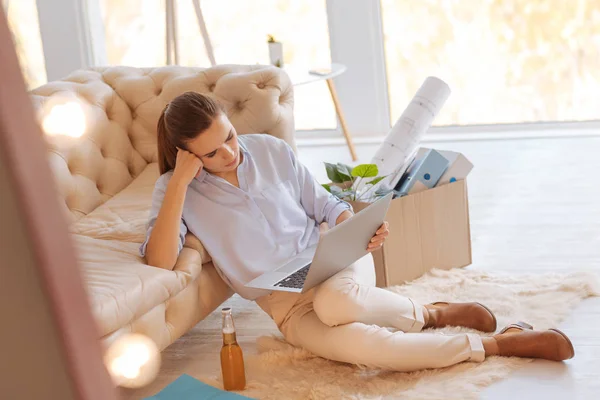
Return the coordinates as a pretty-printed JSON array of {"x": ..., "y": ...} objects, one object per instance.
[{"x": 490, "y": 346}]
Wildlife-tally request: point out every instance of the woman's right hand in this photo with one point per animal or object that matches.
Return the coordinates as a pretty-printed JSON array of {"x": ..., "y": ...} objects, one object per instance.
[{"x": 187, "y": 166}]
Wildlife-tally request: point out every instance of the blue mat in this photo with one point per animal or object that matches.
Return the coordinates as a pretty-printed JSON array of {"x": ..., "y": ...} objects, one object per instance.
[{"x": 187, "y": 388}]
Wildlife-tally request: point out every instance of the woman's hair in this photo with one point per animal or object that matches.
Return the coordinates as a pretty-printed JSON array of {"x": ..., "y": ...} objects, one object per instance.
[{"x": 182, "y": 120}]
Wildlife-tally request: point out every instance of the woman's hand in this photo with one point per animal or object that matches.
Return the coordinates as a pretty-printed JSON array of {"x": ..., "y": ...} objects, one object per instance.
[
  {"x": 187, "y": 167},
  {"x": 379, "y": 237}
]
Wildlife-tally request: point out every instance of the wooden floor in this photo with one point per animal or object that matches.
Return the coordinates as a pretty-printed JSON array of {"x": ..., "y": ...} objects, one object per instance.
[{"x": 535, "y": 208}]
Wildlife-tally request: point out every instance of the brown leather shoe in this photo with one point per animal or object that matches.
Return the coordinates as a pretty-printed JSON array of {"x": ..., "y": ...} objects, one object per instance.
[
  {"x": 470, "y": 315},
  {"x": 551, "y": 344}
]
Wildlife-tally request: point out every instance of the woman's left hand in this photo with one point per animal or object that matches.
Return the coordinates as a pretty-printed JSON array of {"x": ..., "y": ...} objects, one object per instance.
[{"x": 379, "y": 237}]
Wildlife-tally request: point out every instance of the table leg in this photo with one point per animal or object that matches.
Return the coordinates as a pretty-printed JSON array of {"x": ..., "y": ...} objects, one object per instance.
[{"x": 338, "y": 110}]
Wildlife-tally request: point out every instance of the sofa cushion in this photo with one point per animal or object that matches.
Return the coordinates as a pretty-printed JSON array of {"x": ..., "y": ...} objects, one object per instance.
[
  {"x": 171, "y": 319},
  {"x": 125, "y": 216},
  {"x": 121, "y": 287}
]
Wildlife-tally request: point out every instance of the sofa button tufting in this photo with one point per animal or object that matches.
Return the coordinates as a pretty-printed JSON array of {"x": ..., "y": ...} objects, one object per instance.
[
  {"x": 261, "y": 85},
  {"x": 211, "y": 87}
]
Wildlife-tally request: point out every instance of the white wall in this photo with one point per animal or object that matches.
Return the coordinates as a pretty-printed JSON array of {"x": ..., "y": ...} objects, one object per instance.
[{"x": 72, "y": 35}]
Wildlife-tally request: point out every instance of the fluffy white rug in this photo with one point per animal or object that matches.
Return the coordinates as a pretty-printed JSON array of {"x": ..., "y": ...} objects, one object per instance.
[{"x": 281, "y": 371}]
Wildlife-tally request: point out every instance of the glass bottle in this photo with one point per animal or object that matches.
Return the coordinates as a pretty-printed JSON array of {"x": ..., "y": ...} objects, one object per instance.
[{"x": 232, "y": 359}]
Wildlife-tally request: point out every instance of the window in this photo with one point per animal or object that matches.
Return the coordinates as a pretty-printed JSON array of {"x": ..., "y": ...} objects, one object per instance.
[
  {"x": 24, "y": 25},
  {"x": 135, "y": 35},
  {"x": 506, "y": 61},
  {"x": 134, "y": 32}
]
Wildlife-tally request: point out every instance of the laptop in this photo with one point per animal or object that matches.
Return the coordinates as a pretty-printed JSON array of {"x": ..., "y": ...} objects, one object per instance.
[{"x": 337, "y": 248}]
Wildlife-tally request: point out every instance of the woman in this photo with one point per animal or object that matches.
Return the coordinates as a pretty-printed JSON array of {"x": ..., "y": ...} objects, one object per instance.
[{"x": 254, "y": 205}]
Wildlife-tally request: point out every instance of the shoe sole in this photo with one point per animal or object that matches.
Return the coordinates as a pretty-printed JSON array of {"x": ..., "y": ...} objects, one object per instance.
[{"x": 568, "y": 341}]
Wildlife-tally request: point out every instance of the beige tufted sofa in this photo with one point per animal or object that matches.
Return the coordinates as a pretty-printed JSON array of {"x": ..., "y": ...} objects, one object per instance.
[{"x": 107, "y": 176}]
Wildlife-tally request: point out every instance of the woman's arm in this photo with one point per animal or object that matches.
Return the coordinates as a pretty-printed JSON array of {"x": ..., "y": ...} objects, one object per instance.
[
  {"x": 164, "y": 244},
  {"x": 318, "y": 203},
  {"x": 343, "y": 216},
  {"x": 167, "y": 229}
]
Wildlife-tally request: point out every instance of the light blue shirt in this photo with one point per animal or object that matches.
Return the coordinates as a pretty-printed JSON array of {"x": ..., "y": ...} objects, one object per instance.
[{"x": 272, "y": 216}]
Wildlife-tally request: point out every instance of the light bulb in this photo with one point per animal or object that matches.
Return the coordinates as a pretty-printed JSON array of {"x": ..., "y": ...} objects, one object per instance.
[
  {"x": 64, "y": 117},
  {"x": 133, "y": 360}
]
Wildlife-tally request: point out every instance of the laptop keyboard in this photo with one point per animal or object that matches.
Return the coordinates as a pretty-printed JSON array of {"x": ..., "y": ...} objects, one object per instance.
[{"x": 295, "y": 280}]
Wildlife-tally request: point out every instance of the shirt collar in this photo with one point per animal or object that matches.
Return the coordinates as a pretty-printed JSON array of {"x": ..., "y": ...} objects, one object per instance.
[
  {"x": 202, "y": 175},
  {"x": 243, "y": 147}
]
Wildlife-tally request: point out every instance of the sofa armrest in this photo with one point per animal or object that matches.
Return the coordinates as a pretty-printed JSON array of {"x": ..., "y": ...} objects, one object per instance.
[{"x": 192, "y": 242}]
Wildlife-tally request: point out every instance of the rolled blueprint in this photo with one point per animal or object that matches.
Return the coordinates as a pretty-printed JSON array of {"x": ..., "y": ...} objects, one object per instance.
[{"x": 405, "y": 136}]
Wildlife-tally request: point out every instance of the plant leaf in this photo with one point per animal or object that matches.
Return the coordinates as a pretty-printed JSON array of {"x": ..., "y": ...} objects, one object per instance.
[
  {"x": 344, "y": 177},
  {"x": 345, "y": 171},
  {"x": 365, "y": 171},
  {"x": 333, "y": 174},
  {"x": 376, "y": 180},
  {"x": 327, "y": 187}
]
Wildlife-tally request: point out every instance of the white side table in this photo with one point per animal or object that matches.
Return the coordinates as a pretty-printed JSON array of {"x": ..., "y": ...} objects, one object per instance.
[{"x": 301, "y": 76}]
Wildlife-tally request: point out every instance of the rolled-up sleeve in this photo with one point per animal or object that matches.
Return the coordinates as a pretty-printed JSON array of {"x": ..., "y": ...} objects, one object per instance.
[
  {"x": 318, "y": 203},
  {"x": 157, "y": 199}
]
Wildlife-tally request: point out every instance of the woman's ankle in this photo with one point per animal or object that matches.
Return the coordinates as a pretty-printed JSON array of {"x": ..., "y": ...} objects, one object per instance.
[{"x": 490, "y": 346}]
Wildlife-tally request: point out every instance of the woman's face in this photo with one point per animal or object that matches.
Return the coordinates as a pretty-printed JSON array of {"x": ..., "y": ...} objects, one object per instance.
[{"x": 217, "y": 147}]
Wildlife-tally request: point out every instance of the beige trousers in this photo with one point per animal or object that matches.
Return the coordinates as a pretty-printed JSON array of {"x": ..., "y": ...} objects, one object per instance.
[{"x": 346, "y": 319}]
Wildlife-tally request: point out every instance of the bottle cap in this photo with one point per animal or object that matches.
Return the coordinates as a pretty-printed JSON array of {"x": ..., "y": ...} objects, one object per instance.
[{"x": 226, "y": 310}]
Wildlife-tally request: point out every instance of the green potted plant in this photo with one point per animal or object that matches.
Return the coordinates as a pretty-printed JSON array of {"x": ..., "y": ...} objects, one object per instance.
[
  {"x": 345, "y": 179},
  {"x": 275, "y": 51}
]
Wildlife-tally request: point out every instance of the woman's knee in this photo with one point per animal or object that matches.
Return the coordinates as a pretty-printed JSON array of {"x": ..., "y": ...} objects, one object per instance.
[
  {"x": 365, "y": 270},
  {"x": 334, "y": 304}
]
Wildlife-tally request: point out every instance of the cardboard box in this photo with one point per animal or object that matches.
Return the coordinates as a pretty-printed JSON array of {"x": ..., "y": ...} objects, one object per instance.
[{"x": 429, "y": 229}]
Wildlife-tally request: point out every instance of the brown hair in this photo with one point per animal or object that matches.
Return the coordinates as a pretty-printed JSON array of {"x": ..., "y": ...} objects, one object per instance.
[{"x": 182, "y": 120}]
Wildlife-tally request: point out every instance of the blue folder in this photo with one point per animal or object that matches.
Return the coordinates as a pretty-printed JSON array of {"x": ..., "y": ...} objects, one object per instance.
[
  {"x": 423, "y": 173},
  {"x": 187, "y": 388}
]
